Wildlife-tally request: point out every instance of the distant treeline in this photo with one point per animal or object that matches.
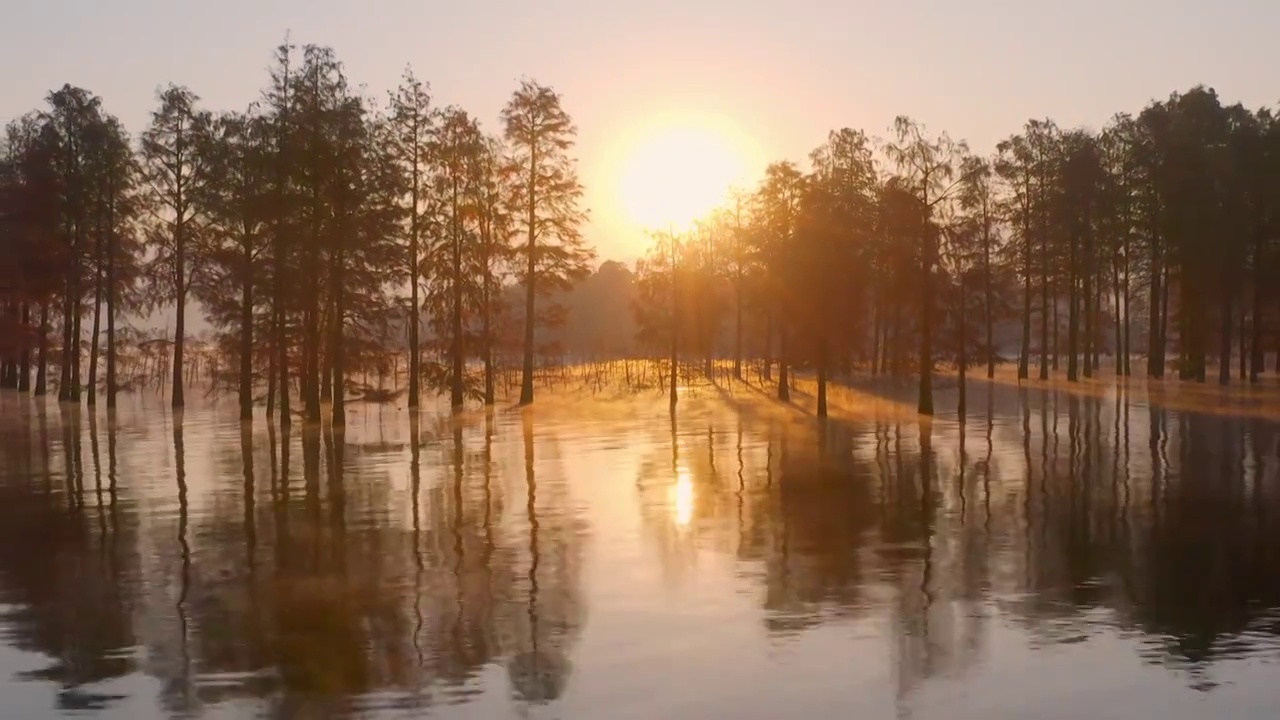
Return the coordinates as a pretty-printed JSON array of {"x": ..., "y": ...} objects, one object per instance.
[
  {"x": 314, "y": 227},
  {"x": 1163, "y": 225}
]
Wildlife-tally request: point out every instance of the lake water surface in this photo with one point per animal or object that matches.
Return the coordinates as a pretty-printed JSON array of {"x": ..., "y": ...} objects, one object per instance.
[{"x": 1090, "y": 555}]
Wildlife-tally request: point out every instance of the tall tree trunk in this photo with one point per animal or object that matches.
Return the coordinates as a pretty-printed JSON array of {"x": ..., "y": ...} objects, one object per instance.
[
  {"x": 42, "y": 353},
  {"x": 92, "y": 398},
  {"x": 1244, "y": 343},
  {"x": 1073, "y": 330},
  {"x": 526, "y": 385},
  {"x": 925, "y": 406},
  {"x": 456, "y": 350},
  {"x": 986, "y": 306},
  {"x": 1044, "y": 307},
  {"x": 1155, "y": 367},
  {"x": 338, "y": 353},
  {"x": 822, "y": 373},
  {"x": 1024, "y": 352},
  {"x": 415, "y": 351},
  {"x": 180, "y": 299},
  {"x": 24, "y": 358},
  {"x": 1228, "y": 319},
  {"x": 246, "y": 334},
  {"x": 675, "y": 329},
  {"x": 68, "y": 327},
  {"x": 784, "y": 387},
  {"x": 1162, "y": 345},
  {"x": 963, "y": 359},
  {"x": 1255, "y": 346},
  {"x": 768, "y": 346},
  {"x": 737, "y": 328}
]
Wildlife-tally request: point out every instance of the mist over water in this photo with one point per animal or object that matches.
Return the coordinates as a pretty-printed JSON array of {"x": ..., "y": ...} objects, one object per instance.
[{"x": 1058, "y": 555}]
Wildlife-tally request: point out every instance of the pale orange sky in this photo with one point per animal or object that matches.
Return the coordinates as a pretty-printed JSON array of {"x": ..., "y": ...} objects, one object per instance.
[{"x": 781, "y": 73}]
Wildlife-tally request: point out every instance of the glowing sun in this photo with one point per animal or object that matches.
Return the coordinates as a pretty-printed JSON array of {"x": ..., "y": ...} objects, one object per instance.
[{"x": 678, "y": 170}]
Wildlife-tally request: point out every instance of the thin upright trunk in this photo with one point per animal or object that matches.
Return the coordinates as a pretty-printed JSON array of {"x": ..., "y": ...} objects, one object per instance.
[
  {"x": 963, "y": 360},
  {"x": 737, "y": 331},
  {"x": 1044, "y": 307},
  {"x": 1228, "y": 317},
  {"x": 675, "y": 326},
  {"x": 415, "y": 352},
  {"x": 784, "y": 387},
  {"x": 112, "y": 297},
  {"x": 42, "y": 353},
  {"x": 1162, "y": 345},
  {"x": 1024, "y": 352},
  {"x": 1073, "y": 327},
  {"x": 68, "y": 327},
  {"x": 338, "y": 361},
  {"x": 526, "y": 386},
  {"x": 1115, "y": 294},
  {"x": 925, "y": 406},
  {"x": 986, "y": 304},
  {"x": 246, "y": 334},
  {"x": 1087, "y": 300},
  {"x": 92, "y": 398},
  {"x": 768, "y": 346},
  {"x": 24, "y": 357},
  {"x": 1255, "y": 346},
  {"x": 1244, "y": 339},
  {"x": 456, "y": 349},
  {"x": 822, "y": 375},
  {"x": 1155, "y": 366}
]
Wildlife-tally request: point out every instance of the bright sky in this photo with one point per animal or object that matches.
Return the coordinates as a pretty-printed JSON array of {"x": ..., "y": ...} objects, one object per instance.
[{"x": 752, "y": 81}]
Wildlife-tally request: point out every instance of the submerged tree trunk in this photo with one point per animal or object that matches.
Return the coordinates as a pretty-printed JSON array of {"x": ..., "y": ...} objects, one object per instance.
[
  {"x": 925, "y": 406},
  {"x": 92, "y": 397},
  {"x": 1255, "y": 346},
  {"x": 1024, "y": 353},
  {"x": 24, "y": 358},
  {"x": 246, "y": 335},
  {"x": 42, "y": 353},
  {"x": 784, "y": 387},
  {"x": 526, "y": 385},
  {"x": 963, "y": 359}
]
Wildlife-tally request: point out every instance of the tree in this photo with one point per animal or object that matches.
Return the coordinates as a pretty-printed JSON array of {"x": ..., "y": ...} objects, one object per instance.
[
  {"x": 175, "y": 165},
  {"x": 411, "y": 124},
  {"x": 927, "y": 167},
  {"x": 540, "y": 136}
]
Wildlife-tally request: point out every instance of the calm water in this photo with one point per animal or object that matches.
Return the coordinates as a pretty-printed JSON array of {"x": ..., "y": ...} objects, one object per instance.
[{"x": 1060, "y": 556}]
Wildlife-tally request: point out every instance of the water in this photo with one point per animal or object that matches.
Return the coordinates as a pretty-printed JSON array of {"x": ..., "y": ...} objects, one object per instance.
[{"x": 1101, "y": 554}]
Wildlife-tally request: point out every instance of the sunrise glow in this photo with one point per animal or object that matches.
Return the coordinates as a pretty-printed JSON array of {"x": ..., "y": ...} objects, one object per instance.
[{"x": 679, "y": 168}]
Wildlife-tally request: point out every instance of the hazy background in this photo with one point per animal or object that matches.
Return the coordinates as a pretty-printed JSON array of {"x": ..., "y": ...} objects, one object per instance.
[{"x": 782, "y": 73}]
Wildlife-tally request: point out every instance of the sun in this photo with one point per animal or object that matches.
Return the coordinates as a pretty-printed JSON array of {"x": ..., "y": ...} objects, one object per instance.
[{"x": 678, "y": 169}]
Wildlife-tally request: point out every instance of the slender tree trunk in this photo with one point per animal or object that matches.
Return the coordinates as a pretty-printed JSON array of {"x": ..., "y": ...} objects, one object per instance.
[
  {"x": 92, "y": 397},
  {"x": 180, "y": 299},
  {"x": 963, "y": 359},
  {"x": 925, "y": 406},
  {"x": 42, "y": 353},
  {"x": 415, "y": 351},
  {"x": 1056, "y": 347},
  {"x": 24, "y": 358},
  {"x": 526, "y": 386},
  {"x": 1044, "y": 306},
  {"x": 822, "y": 374},
  {"x": 1163, "y": 344},
  {"x": 1244, "y": 340},
  {"x": 675, "y": 327},
  {"x": 1096, "y": 336},
  {"x": 1115, "y": 296},
  {"x": 1255, "y": 346},
  {"x": 1155, "y": 366},
  {"x": 68, "y": 327},
  {"x": 456, "y": 349},
  {"x": 1024, "y": 352},
  {"x": 338, "y": 361},
  {"x": 246, "y": 334},
  {"x": 1228, "y": 319},
  {"x": 1073, "y": 330},
  {"x": 737, "y": 329},
  {"x": 768, "y": 346},
  {"x": 986, "y": 304}
]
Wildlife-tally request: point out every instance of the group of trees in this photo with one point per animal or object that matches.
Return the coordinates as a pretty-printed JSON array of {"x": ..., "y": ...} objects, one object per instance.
[
  {"x": 310, "y": 226},
  {"x": 899, "y": 254}
]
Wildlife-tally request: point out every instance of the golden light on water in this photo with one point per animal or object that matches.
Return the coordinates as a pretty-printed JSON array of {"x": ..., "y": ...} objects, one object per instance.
[
  {"x": 679, "y": 168},
  {"x": 683, "y": 498}
]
